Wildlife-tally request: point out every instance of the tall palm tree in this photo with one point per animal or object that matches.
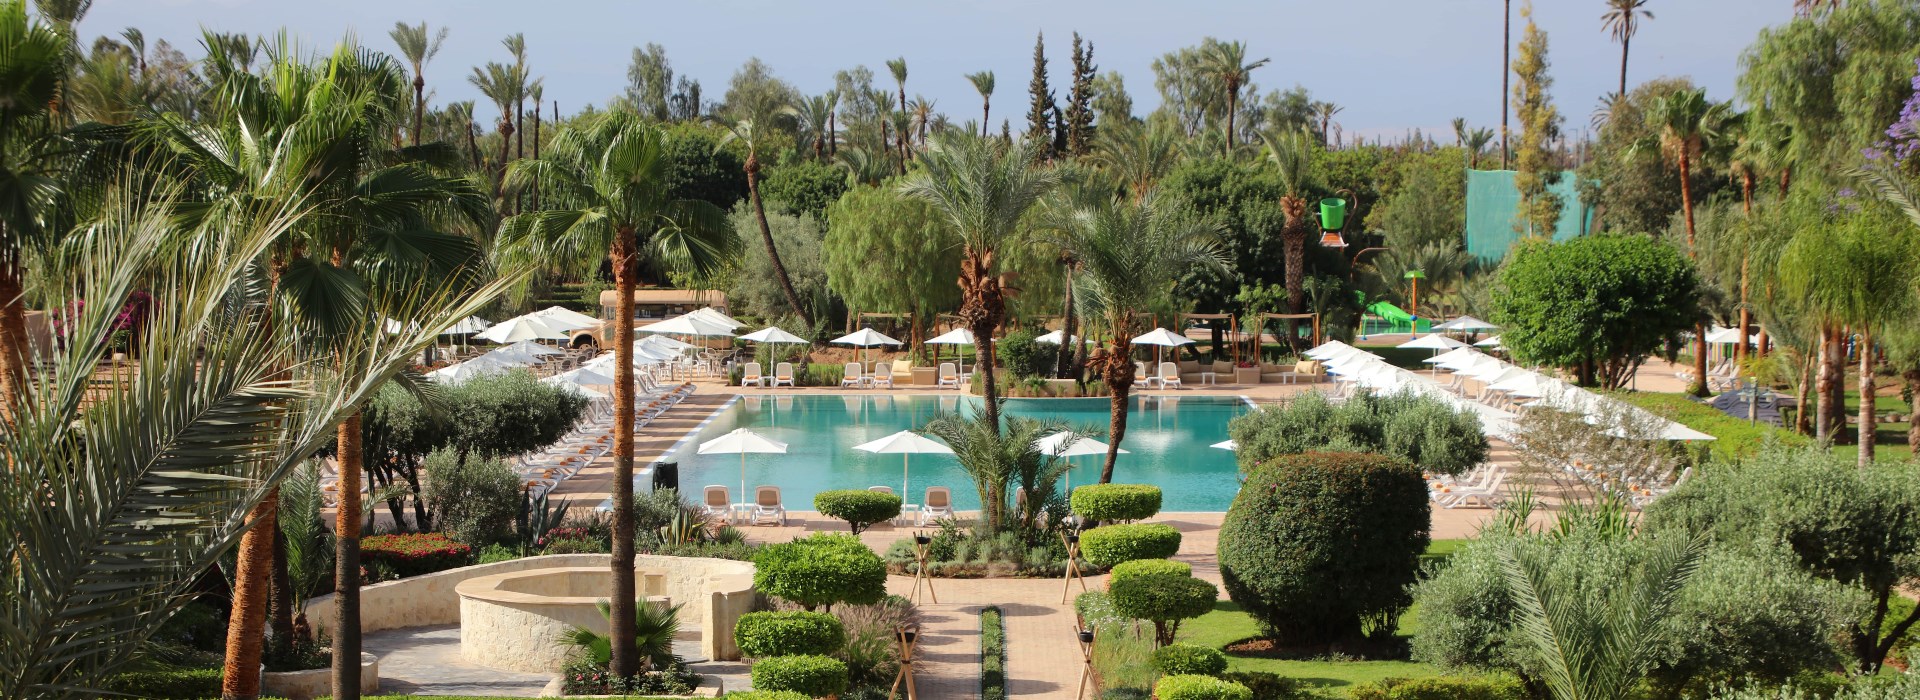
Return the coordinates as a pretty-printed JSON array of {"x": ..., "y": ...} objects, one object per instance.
[
  {"x": 983, "y": 83},
  {"x": 1506, "y": 74},
  {"x": 1476, "y": 144},
  {"x": 983, "y": 189},
  {"x": 1325, "y": 112},
  {"x": 1131, "y": 253},
  {"x": 1622, "y": 19},
  {"x": 1291, "y": 154},
  {"x": 516, "y": 44},
  {"x": 1227, "y": 62},
  {"x": 814, "y": 115},
  {"x": 1687, "y": 124},
  {"x": 501, "y": 84},
  {"x": 751, "y": 118},
  {"x": 418, "y": 49},
  {"x": 610, "y": 173},
  {"x": 921, "y": 110},
  {"x": 32, "y": 56},
  {"x": 1138, "y": 154}
]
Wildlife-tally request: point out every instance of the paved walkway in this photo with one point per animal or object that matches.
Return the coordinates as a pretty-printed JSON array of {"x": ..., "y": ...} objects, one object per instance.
[{"x": 427, "y": 661}]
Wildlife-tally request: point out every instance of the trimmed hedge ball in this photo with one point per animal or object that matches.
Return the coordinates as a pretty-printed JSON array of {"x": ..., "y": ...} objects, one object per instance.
[
  {"x": 1164, "y": 600},
  {"x": 1115, "y": 502},
  {"x": 763, "y": 634},
  {"x": 810, "y": 675},
  {"x": 1109, "y": 545},
  {"x": 1189, "y": 687},
  {"x": 1189, "y": 660},
  {"x": 1143, "y": 567},
  {"x": 821, "y": 570},
  {"x": 860, "y": 508}
]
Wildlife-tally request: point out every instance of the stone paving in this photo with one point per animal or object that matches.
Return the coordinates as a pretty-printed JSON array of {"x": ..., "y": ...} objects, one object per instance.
[{"x": 427, "y": 661}]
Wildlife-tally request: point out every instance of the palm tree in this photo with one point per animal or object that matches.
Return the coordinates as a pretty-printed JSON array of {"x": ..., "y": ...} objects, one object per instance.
[
  {"x": 1476, "y": 144},
  {"x": 1506, "y": 74},
  {"x": 1325, "y": 112},
  {"x": 517, "y": 47},
  {"x": 1622, "y": 19},
  {"x": 983, "y": 83},
  {"x": 32, "y": 55},
  {"x": 418, "y": 50},
  {"x": 501, "y": 84},
  {"x": 814, "y": 115},
  {"x": 921, "y": 109},
  {"x": 1138, "y": 154},
  {"x": 753, "y": 116},
  {"x": 1227, "y": 62},
  {"x": 997, "y": 461},
  {"x": 1131, "y": 253},
  {"x": 1688, "y": 123},
  {"x": 1292, "y": 156},
  {"x": 983, "y": 189},
  {"x": 610, "y": 172}
]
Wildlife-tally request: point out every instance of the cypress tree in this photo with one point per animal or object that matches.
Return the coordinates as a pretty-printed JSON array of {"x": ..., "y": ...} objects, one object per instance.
[
  {"x": 1079, "y": 117},
  {"x": 1041, "y": 105}
]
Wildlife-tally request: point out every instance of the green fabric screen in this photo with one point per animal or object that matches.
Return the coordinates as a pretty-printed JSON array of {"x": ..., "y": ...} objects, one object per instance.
[{"x": 1492, "y": 202}]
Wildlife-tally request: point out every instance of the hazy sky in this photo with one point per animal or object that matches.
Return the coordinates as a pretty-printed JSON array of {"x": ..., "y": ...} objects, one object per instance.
[{"x": 1393, "y": 64}]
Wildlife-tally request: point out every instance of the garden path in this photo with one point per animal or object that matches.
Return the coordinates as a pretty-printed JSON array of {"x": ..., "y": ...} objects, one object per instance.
[{"x": 427, "y": 661}]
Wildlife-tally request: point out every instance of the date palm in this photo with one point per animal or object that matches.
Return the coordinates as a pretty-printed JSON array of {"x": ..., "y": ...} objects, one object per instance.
[
  {"x": 983, "y": 189},
  {"x": 1687, "y": 124},
  {"x": 751, "y": 118},
  {"x": 31, "y": 56},
  {"x": 814, "y": 115},
  {"x": 179, "y": 450},
  {"x": 1227, "y": 62},
  {"x": 1291, "y": 153},
  {"x": 1130, "y": 252},
  {"x": 501, "y": 84},
  {"x": 1137, "y": 154},
  {"x": 1622, "y": 20},
  {"x": 418, "y": 48},
  {"x": 983, "y": 84},
  {"x": 609, "y": 174},
  {"x": 1325, "y": 112},
  {"x": 998, "y": 458},
  {"x": 921, "y": 109}
]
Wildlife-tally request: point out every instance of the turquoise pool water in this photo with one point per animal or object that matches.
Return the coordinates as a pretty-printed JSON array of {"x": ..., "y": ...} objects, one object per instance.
[{"x": 1168, "y": 439}]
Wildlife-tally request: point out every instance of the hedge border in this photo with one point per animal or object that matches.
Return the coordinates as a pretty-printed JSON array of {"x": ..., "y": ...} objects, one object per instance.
[{"x": 993, "y": 653}]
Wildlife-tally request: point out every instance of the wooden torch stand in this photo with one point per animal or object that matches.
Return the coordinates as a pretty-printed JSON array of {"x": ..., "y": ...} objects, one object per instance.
[
  {"x": 920, "y": 575},
  {"x": 908, "y": 638},
  {"x": 1086, "y": 651},
  {"x": 1073, "y": 567}
]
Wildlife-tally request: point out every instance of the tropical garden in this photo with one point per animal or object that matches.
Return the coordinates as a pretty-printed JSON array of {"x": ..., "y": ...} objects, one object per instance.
[{"x": 219, "y": 270}]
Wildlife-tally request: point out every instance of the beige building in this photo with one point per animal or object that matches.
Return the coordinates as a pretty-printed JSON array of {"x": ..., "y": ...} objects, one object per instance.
[{"x": 651, "y": 304}]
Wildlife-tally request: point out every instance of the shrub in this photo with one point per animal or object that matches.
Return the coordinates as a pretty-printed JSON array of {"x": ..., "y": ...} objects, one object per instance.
[
  {"x": 1189, "y": 660},
  {"x": 1096, "y": 608},
  {"x": 1269, "y": 686},
  {"x": 767, "y": 695},
  {"x": 993, "y": 655},
  {"x": 1604, "y": 301},
  {"x": 762, "y": 634},
  {"x": 872, "y": 651},
  {"x": 475, "y": 499},
  {"x": 1164, "y": 600},
  {"x": 414, "y": 554},
  {"x": 820, "y": 570},
  {"x": 1499, "y": 687},
  {"x": 1199, "y": 688},
  {"x": 1023, "y": 357},
  {"x": 574, "y": 545},
  {"x": 1320, "y": 545},
  {"x": 1139, "y": 567},
  {"x": 494, "y": 553},
  {"x": 170, "y": 684},
  {"x": 1109, "y": 545},
  {"x": 860, "y": 508},
  {"x": 1116, "y": 502},
  {"x": 1736, "y": 438},
  {"x": 1427, "y": 431},
  {"x": 810, "y": 675}
]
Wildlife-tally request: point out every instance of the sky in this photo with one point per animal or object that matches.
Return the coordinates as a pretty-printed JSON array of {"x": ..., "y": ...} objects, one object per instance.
[{"x": 1392, "y": 65}]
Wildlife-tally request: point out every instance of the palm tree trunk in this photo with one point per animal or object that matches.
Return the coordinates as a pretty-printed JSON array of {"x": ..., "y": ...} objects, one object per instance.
[
  {"x": 505, "y": 126},
  {"x": 1913, "y": 425},
  {"x": 833, "y": 132},
  {"x": 1699, "y": 329},
  {"x": 1294, "y": 242},
  {"x": 346, "y": 567},
  {"x": 1064, "y": 361},
  {"x": 1866, "y": 398},
  {"x": 419, "y": 109},
  {"x": 1625, "y": 40},
  {"x": 246, "y": 627},
  {"x": 536, "y": 156},
  {"x": 473, "y": 147},
  {"x": 625, "y": 660},
  {"x": 280, "y": 601},
  {"x": 986, "y": 109},
  {"x": 766, "y": 237},
  {"x": 1746, "y": 317},
  {"x": 1118, "y": 371},
  {"x": 1823, "y": 428},
  {"x": 15, "y": 346},
  {"x": 1800, "y": 394},
  {"x": 1506, "y": 73},
  {"x": 1233, "y": 105},
  {"x": 1837, "y": 389}
]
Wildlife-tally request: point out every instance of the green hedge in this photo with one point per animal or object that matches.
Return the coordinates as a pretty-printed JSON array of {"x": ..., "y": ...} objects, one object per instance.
[
  {"x": 766, "y": 695},
  {"x": 821, "y": 570},
  {"x": 1189, "y": 660},
  {"x": 764, "y": 634},
  {"x": 1440, "y": 688},
  {"x": 414, "y": 554},
  {"x": 1270, "y": 686},
  {"x": 993, "y": 654},
  {"x": 1164, "y": 600},
  {"x": 1737, "y": 439},
  {"x": 1109, "y": 545},
  {"x": 178, "y": 684},
  {"x": 1145, "y": 567},
  {"x": 859, "y": 507},
  {"x": 1116, "y": 502},
  {"x": 809, "y": 675},
  {"x": 1199, "y": 688}
]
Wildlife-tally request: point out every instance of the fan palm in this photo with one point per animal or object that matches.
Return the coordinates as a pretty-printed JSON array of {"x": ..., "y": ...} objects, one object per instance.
[
  {"x": 1622, "y": 19},
  {"x": 218, "y": 409},
  {"x": 983, "y": 83},
  {"x": 1687, "y": 124},
  {"x": 983, "y": 189},
  {"x": 1291, "y": 153},
  {"x": 752, "y": 117},
  {"x": 418, "y": 49},
  {"x": 998, "y": 460},
  {"x": 1227, "y": 62},
  {"x": 31, "y": 58},
  {"x": 611, "y": 171},
  {"x": 1138, "y": 154},
  {"x": 1131, "y": 253},
  {"x": 655, "y": 628}
]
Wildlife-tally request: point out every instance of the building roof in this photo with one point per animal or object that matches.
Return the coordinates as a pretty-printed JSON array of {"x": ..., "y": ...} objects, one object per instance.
[{"x": 657, "y": 295}]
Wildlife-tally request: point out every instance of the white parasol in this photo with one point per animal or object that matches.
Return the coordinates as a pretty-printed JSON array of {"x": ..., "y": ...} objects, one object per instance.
[
  {"x": 905, "y": 443},
  {"x": 742, "y": 442}
]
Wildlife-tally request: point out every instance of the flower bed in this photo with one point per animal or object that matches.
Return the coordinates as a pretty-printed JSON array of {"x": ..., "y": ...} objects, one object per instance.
[{"x": 399, "y": 556}]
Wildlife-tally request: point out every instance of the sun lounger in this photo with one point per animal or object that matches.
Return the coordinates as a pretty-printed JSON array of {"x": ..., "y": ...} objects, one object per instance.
[
  {"x": 719, "y": 503},
  {"x": 948, "y": 376},
  {"x": 751, "y": 375},
  {"x": 1169, "y": 375},
  {"x": 783, "y": 374},
  {"x": 883, "y": 374},
  {"x": 766, "y": 505},
  {"x": 937, "y": 504},
  {"x": 852, "y": 376}
]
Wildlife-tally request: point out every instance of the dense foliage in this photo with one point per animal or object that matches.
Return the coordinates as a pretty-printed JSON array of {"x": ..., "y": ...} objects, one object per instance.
[
  {"x": 1490, "y": 687},
  {"x": 761, "y": 634},
  {"x": 475, "y": 499},
  {"x": 1145, "y": 567},
  {"x": 1109, "y": 545},
  {"x": 859, "y": 507},
  {"x": 820, "y": 570},
  {"x": 1199, "y": 688},
  {"x": 810, "y": 675},
  {"x": 1115, "y": 502},
  {"x": 1163, "y": 599},
  {"x": 411, "y": 554},
  {"x": 1320, "y": 547},
  {"x": 1426, "y": 431},
  {"x": 1599, "y": 304},
  {"x": 1189, "y": 659}
]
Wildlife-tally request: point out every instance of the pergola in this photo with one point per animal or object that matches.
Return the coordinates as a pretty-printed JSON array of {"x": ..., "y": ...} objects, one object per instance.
[{"x": 1233, "y": 330}]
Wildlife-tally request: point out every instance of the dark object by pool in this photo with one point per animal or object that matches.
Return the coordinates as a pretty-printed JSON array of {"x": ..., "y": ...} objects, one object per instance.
[{"x": 1734, "y": 403}]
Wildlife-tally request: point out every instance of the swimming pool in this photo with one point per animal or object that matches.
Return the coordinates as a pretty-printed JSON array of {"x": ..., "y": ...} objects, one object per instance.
[{"x": 1168, "y": 437}]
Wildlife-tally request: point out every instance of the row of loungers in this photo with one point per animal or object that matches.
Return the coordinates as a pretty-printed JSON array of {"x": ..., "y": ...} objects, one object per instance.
[{"x": 767, "y": 506}]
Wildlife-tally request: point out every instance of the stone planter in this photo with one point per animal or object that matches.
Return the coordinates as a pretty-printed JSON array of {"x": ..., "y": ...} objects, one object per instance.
[
  {"x": 1246, "y": 375},
  {"x": 318, "y": 682}
]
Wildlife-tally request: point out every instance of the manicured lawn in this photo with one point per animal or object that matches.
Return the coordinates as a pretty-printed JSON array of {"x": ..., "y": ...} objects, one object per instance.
[
  {"x": 1737, "y": 438},
  {"x": 1227, "y": 624}
]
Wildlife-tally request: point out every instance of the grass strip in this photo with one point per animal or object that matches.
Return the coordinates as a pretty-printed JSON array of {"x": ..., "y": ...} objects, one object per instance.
[{"x": 993, "y": 654}]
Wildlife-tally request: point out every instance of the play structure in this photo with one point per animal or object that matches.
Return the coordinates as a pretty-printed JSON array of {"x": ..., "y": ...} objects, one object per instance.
[{"x": 1383, "y": 317}]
